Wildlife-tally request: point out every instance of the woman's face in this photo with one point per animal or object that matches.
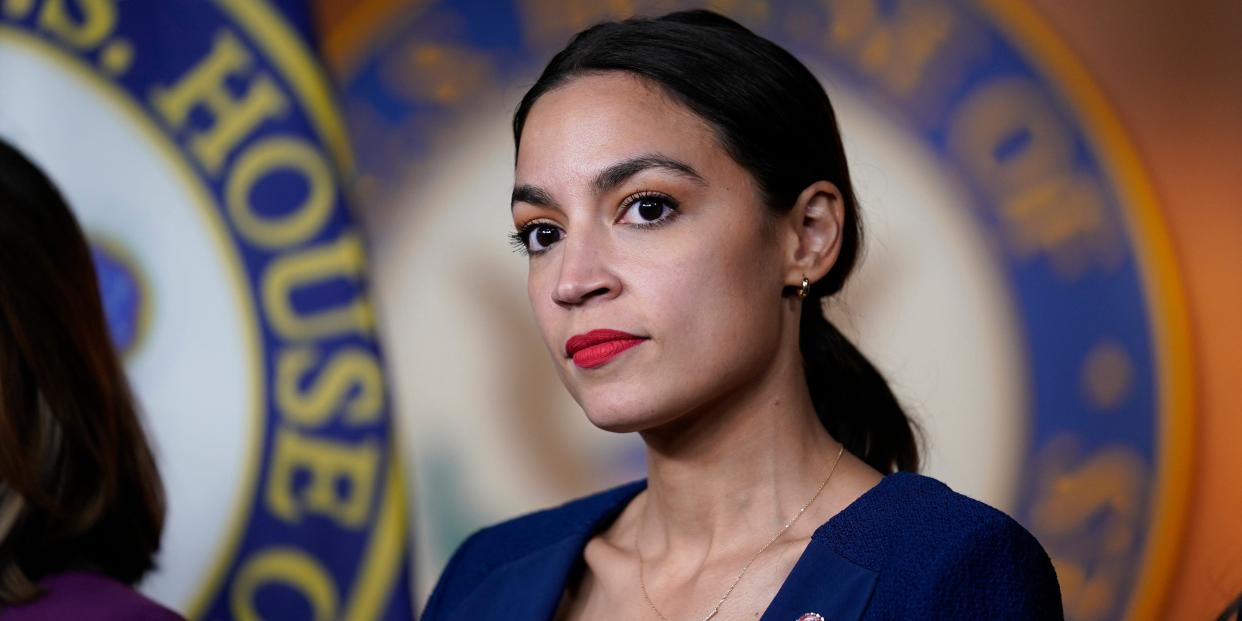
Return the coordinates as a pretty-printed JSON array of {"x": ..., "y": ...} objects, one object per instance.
[{"x": 639, "y": 223}]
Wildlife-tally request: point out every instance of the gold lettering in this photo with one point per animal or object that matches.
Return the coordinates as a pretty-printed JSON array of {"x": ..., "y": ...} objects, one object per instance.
[
  {"x": 327, "y": 463},
  {"x": 16, "y": 9},
  {"x": 97, "y": 21},
  {"x": 261, "y": 160},
  {"x": 897, "y": 48},
  {"x": 1063, "y": 217},
  {"x": 340, "y": 259},
  {"x": 1007, "y": 110},
  {"x": 347, "y": 370},
  {"x": 919, "y": 37},
  {"x": 440, "y": 73},
  {"x": 1008, "y": 136},
  {"x": 546, "y": 22},
  {"x": 851, "y": 21},
  {"x": 233, "y": 118},
  {"x": 292, "y": 568},
  {"x": 1087, "y": 511}
]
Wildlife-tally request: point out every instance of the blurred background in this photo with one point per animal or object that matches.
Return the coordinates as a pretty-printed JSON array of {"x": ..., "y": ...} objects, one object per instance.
[{"x": 1052, "y": 280}]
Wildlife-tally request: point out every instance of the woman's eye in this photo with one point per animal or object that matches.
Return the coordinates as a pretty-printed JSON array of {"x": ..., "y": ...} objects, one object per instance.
[
  {"x": 538, "y": 237},
  {"x": 648, "y": 210}
]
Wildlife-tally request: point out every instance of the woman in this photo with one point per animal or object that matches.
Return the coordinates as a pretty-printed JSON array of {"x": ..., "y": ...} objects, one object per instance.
[
  {"x": 682, "y": 192},
  {"x": 81, "y": 503}
]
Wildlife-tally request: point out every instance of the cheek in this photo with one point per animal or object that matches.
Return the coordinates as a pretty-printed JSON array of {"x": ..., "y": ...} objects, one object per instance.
[
  {"x": 538, "y": 290},
  {"x": 718, "y": 293}
]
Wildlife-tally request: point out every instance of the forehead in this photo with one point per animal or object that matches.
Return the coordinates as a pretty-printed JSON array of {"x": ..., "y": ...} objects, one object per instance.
[{"x": 595, "y": 120}]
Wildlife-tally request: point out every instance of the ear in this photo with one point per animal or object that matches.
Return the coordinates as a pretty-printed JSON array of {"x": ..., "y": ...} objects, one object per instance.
[{"x": 814, "y": 233}]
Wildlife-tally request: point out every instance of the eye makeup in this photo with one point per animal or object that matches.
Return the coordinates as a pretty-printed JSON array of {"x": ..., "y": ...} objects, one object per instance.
[{"x": 651, "y": 209}]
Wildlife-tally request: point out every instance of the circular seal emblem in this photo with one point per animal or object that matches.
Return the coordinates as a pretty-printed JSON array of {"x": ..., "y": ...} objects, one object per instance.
[
  {"x": 200, "y": 150},
  {"x": 1019, "y": 290}
]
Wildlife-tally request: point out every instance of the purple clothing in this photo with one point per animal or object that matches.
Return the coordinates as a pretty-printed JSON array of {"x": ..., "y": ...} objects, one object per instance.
[{"x": 88, "y": 596}]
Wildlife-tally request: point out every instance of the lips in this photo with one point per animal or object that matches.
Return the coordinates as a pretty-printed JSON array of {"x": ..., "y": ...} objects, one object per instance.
[{"x": 598, "y": 347}]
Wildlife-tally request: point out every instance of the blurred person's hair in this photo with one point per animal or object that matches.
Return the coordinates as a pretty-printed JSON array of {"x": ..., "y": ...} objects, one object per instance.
[
  {"x": 772, "y": 116},
  {"x": 1232, "y": 612},
  {"x": 79, "y": 489}
]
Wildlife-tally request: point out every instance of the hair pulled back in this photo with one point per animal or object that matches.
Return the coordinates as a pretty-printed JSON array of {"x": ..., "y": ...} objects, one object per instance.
[{"x": 775, "y": 120}]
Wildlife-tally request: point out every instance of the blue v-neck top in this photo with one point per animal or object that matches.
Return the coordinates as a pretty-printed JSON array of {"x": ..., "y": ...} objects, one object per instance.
[{"x": 908, "y": 548}]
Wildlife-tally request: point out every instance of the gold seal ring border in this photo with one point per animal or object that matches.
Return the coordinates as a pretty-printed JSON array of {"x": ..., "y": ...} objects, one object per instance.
[
  {"x": 1158, "y": 268},
  {"x": 381, "y": 560}
]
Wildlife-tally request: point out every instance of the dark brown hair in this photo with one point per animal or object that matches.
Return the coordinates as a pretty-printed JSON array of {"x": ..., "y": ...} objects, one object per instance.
[
  {"x": 774, "y": 118},
  {"x": 78, "y": 485}
]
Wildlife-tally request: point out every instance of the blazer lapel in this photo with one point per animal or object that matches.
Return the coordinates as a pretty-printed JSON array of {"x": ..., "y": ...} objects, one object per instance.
[
  {"x": 526, "y": 589},
  {"x": 530, "y": 588},
  {"x": 824, "y": 583}
]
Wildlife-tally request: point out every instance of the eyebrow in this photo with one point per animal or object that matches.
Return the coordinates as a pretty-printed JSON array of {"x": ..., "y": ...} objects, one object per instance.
[
  {"x": 616, "y": 174},
  {"x": 532, "y": 195},
  {"x": 611, "y": 177}
]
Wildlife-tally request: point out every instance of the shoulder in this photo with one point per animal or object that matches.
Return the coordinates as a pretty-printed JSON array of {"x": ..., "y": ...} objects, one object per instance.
[
  {"x": 967, "y": 557},
  {"x": 909, "y": 514},
  {"x": 90, "y": 597},
  {"x": 518, "y": 537}
]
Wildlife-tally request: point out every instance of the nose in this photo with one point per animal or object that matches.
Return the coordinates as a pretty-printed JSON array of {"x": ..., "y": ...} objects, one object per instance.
[{"x": 585, "y": 273}]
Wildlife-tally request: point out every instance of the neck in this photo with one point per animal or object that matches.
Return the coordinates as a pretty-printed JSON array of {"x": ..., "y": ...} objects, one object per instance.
[{"x": 736, "y": 471}]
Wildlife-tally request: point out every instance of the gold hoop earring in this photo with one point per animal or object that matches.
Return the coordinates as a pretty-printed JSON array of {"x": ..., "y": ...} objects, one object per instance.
[{"x": 805, "y": 290}]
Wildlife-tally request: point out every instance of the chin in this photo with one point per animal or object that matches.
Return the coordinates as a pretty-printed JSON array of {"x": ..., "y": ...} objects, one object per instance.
[
  {"x": 616, "y": 424},
  {"x": 625, "y": 413},
  {"x": 632, "y": 398},
  {"x": 618, "y": 419}
]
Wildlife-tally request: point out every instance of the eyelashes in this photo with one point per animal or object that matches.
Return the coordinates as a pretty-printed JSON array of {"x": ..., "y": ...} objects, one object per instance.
[
  {"x": 643, "y": 210},
  {"x": 517, "y": 241},
  {"x": 653, "y": 209},
  {"x": 535, "y": 237}
]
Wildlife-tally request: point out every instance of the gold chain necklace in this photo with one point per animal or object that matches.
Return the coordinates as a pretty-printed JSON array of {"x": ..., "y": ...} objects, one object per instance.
[{"x": 638, "y": 535}]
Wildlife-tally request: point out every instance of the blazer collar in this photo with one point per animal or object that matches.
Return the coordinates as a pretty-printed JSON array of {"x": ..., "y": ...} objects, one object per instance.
[
  {"x": 822, "y": 582},
  {"x": 530, "y": 587}
]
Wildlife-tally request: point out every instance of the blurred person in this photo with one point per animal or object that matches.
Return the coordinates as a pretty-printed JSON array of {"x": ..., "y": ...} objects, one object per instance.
[
  {"x": 1232, "y": 612},
  {"x": 81, "y": 502},
  {"x": 682, "y": 192}
]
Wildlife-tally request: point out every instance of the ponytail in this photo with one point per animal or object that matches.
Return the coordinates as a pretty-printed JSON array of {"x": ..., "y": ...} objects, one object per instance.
[{"x": 852, "y": 398}]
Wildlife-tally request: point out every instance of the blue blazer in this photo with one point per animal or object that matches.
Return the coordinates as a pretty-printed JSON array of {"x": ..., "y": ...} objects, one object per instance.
[{"x": 908, "y": 548}]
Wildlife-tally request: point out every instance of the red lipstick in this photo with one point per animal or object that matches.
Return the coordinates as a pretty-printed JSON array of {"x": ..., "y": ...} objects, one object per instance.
[{"x": 597, "y": 347}]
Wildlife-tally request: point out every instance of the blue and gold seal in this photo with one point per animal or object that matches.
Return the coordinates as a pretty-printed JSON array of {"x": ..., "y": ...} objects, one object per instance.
[{"x": 199, "y": 140}]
